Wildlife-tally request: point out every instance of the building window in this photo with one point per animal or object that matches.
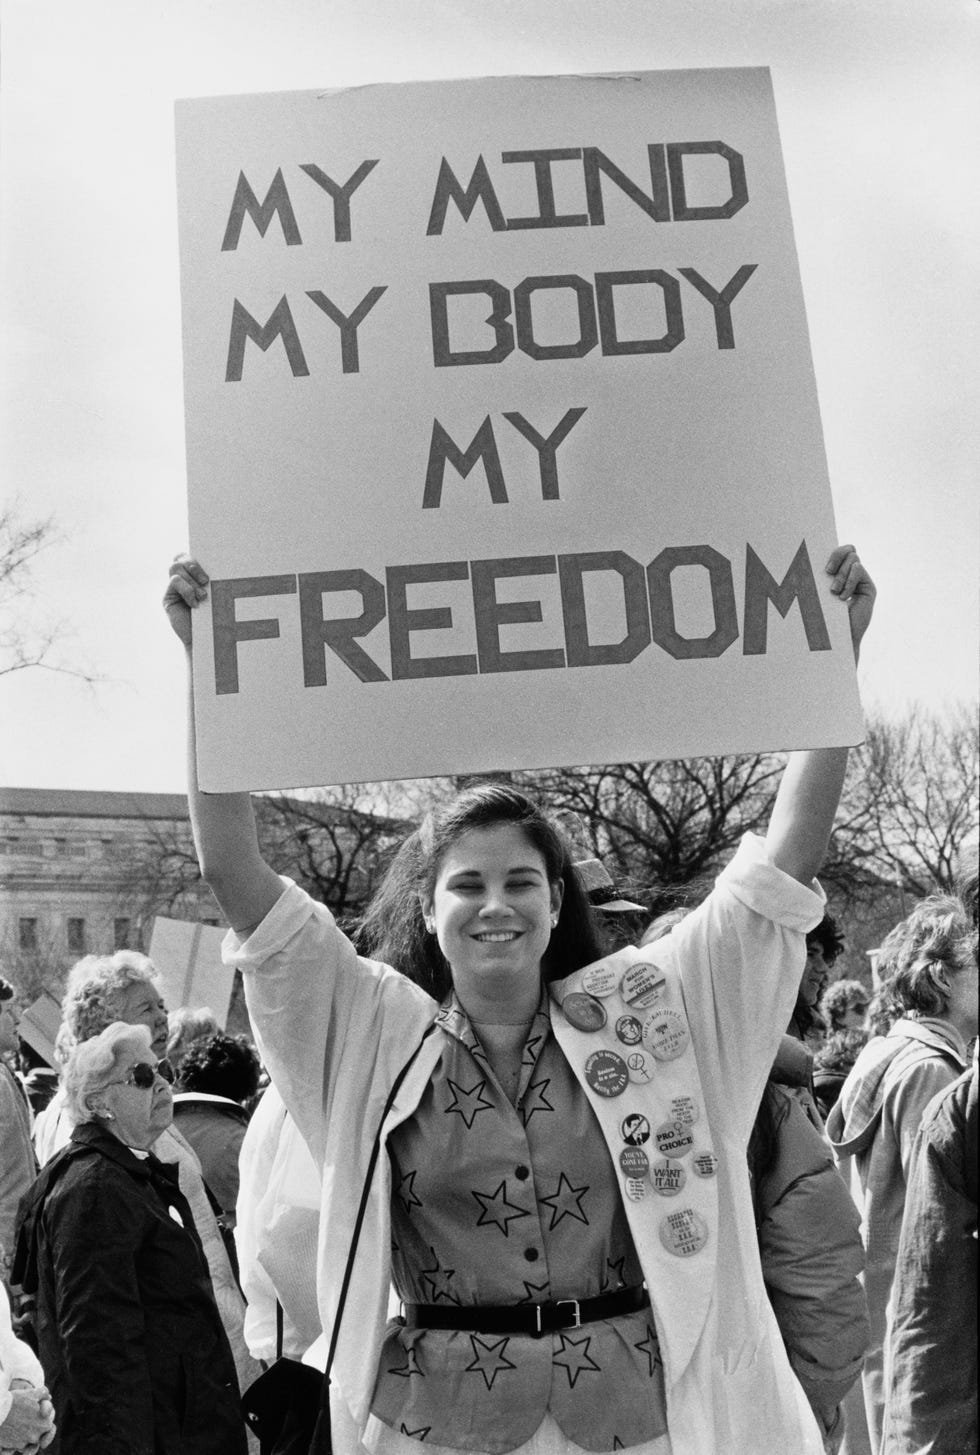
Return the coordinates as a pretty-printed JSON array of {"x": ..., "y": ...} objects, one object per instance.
[
  {"x": 76, "y": 936},
  {"x": 120, "y": 934},
  {"x": 27, "y": 934}
]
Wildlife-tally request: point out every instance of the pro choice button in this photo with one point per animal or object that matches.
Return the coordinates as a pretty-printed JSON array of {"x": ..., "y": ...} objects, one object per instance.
[{"x": 673, "y": 1140}]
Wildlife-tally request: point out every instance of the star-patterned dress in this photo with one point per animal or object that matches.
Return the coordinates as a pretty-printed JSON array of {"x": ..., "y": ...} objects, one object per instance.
[{"x": 495, "y": 1203}]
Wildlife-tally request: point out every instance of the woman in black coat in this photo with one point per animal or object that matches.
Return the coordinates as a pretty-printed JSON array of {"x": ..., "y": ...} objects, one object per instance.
[{"x": 128, "y": 1331}]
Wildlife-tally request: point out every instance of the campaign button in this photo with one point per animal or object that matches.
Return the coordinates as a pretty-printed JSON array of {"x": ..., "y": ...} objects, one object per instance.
[
  {"x": 640, "y": 1067},
  {"x": 584, "y": 1012},
  {"x": 606, "y": 1073},
  {"x": 705, "y": 1164},
  {"x": 674, "y": 1141},
  {"x": 634, "y": 1162},
  {"x": 668, "y": 1178},
  {"x": 600, "y": 979},
  {"x": 665, "y": 1034},
  {"x": 637, "y": 1188},
  {"x": 635, "y": 1129},
  {"x": 683, "y": 1232},
  {"x": 642, "y": 985},
  {"x": 629, "y": 1030},
  {"x": 684, "y": 1110}
]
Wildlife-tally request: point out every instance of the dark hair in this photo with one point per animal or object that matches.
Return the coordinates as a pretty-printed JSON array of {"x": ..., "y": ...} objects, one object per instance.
[
  {"x": 839, "y": 998},
  {"x": 827, "y": 935},
  {"x": 220, "y": 1066},
  {"x": 840, "y": 1050},
  {"x": 935, "y": 941},
  {"x": 393, "y": 929}
]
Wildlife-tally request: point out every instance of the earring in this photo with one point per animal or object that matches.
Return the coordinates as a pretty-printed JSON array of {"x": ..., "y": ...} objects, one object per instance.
[
  {"x": 430, "y": 927},
  {"x": 554, "y": 921}
]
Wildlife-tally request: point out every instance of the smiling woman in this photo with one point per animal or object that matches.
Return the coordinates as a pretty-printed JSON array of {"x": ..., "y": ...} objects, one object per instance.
[{"x": 562, "y": 1204}]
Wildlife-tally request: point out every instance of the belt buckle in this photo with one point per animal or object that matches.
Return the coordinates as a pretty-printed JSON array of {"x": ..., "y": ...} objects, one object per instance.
[{"x": 575, "y": 1305}]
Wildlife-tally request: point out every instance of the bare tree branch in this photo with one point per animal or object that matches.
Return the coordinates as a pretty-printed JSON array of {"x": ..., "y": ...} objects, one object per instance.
[{"x": 25, "y": 642}]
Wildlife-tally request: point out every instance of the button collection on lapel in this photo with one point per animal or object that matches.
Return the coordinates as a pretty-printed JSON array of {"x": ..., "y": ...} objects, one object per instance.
[{"x": 650, "y": 1032}]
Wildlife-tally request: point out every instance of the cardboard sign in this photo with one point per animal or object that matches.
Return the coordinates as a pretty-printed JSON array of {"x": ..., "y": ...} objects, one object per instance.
[
  {"x": 502, "y": 433},
  {"x": 39, "y": 1026},
  {"x": 187, "y": 959}
]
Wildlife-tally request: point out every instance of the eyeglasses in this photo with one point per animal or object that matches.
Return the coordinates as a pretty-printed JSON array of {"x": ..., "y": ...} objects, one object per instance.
[{"x": 143, "y": 1075}]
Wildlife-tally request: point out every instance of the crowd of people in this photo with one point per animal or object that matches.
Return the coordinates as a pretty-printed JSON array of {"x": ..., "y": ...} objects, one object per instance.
[{"x": 518, "y": 1191}]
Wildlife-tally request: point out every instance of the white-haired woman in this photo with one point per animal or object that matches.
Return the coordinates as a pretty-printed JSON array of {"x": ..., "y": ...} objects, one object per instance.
[
  {"x": 128, "y": 1329},
  {"x": 124, "y": 987}
]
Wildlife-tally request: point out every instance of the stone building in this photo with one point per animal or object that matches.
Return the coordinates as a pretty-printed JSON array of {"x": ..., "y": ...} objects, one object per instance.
[{"x": 86, "y": 872}]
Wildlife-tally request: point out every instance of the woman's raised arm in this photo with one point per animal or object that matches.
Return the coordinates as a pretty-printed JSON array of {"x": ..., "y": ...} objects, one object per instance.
[
  {"x": 227, "y": 845},
  {"x": 805, "y": 807}
]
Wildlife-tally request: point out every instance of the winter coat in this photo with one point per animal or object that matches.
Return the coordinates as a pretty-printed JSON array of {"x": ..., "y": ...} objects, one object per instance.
[
  {"x": 812, "y": 1256},
  {"x": 872, "y": 1129},
  {"x": 931, "y": 1359},
  {"x": 827, "y": 1087},
  {"x": 52, "y": 1132},
  {"x": 128, "y": 1331}
]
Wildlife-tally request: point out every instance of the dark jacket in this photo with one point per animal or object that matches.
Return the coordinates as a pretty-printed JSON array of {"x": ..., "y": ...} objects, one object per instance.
[
  {"x": 136, "y": 1357},
  {"x": 827, "y": 1087},
  {"x": 931, "y": 1383}
]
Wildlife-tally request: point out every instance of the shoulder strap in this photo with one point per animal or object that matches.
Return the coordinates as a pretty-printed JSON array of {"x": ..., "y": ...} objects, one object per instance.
[{"x": 358, "y": 1222}]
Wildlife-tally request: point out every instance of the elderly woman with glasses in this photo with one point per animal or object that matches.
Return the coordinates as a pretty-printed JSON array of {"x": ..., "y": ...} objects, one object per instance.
[
  {"x": 125, "y": 987},
  {"x": 128, "y": 1330}
]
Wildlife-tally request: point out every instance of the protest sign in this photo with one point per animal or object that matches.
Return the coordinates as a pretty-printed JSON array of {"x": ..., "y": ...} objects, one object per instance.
[
  {"x": 187, "y": 959},
  {"x": 39, "y": 1026},
  {"x": 502, "y": 433}
]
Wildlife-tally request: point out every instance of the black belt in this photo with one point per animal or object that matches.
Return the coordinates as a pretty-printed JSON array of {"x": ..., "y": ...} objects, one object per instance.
[{"x": 526, "y": 1318}]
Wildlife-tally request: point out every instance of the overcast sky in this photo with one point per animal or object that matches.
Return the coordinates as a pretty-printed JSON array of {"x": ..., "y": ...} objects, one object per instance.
[{"x": 878, "y": 112}]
